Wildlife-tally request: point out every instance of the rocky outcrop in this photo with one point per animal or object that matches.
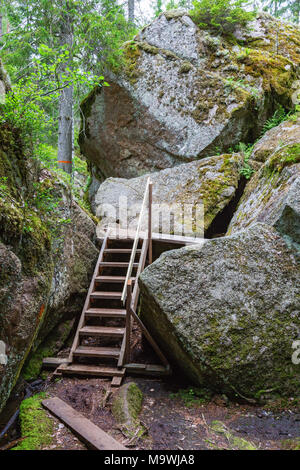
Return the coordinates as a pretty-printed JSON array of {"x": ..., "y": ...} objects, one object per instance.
[
  {"x": 212, "y": 182},
  {"x": 272, "y": 195},
  {"x": 287, "y": 133},
  {"x": 184, "y": 93},
  {"x": 226, "y": 313},
  {"x": 47, "y": 254}
]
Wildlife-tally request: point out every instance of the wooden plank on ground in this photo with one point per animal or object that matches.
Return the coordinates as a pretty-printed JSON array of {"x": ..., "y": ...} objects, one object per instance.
[
  {"x": 87, "y": 431},
  {"x": 54, "y": 362},
  {"x": 116, "y": 381}
]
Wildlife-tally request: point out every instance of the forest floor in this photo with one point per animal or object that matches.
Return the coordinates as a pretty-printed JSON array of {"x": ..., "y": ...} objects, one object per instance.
[
  {"x": 173, "y": 423},
  {"x": 175, "y": 415}
]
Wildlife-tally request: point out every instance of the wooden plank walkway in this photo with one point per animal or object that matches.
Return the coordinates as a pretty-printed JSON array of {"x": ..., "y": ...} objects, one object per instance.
[{"x": 87, "y": 431}]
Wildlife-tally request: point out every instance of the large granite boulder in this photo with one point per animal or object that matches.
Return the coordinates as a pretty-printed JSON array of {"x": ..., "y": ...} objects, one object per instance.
[
  {"x": 184, "y": 92},
  {"x": 206, "y": 186},
  {"x": 272, "y": 195},
  {"x": 227, "y": 312},
  {"x": 47, "y": 254}
]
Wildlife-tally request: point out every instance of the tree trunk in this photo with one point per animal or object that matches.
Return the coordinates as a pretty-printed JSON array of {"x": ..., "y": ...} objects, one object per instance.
[
  {"x": 65, "y": 130},
  {"x": 131, "y": 11},
  {"x": 65, "y": 120}
]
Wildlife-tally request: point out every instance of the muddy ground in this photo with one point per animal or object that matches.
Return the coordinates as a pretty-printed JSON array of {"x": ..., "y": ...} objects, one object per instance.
[{"x": 171, "y": 423}]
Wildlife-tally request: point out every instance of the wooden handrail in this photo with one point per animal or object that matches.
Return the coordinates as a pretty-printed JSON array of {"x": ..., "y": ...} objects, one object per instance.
[{"x": 135, "y": 243}]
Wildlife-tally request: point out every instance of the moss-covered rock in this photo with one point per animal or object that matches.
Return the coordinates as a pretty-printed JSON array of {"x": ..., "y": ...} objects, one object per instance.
[
  {"x": 226, "y": 313},
  {"x": 49, "y": 348},
  {"x": 287, "y": 133},
  {"x": 36, "y": 427},
  {"x": 47, "y": 254},
  {"x": 184, "y": 92},
  {"x": 126, "y": 407}
]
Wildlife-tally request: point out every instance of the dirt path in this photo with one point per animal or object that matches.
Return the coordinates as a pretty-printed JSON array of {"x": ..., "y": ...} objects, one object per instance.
[{"x": 171, "y": 424}]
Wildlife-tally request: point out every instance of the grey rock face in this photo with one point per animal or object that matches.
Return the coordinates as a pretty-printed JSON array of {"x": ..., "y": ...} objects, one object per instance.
[
  {"x": 184, "y": 93},
  {"x": 228, "y": 312}
]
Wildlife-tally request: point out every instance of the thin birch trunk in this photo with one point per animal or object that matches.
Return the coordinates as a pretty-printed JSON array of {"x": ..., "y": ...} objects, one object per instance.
[{"x": 65, "y": 120}]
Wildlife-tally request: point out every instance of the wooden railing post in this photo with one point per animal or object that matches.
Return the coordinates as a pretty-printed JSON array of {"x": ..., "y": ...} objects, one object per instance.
[
  {"x": 150, "y": 223},
  {"x": 128, "y": 321}
]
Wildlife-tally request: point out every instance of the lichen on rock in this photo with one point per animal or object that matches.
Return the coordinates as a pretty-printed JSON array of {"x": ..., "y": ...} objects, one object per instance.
[{"x": 227, "y": 312}]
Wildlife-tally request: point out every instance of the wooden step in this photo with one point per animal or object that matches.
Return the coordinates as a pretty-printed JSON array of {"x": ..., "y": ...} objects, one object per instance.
[
  {"x": 84, "y": 369},
  {"x": 87, "y": 351},
  {"x": 120, "y": 250},
  {"x": 105, "y": 312},
  {"x": 112, "y": 279},
  {"x": 116, "y": 264},
  {"x": 102, "y": 331},
  {"x": 106, "y": 295}
]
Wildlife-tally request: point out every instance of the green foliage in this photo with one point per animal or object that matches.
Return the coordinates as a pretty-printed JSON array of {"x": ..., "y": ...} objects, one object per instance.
[
  {"x": 246, "y": 150},
  {"x": 172, "y": 4},
  {"x": 4, "y": 189},
  {"x": 278, "y": 117},
  {"x": 192, "y": 396},
  {"x": 221, "y": 15}
]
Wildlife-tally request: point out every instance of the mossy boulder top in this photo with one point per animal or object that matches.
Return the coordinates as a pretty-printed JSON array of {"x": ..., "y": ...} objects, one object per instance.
[
  {"x": 184, "y": 92},
  {"x": 227, "y": 313},
  {"x": 208, "y": 184}
]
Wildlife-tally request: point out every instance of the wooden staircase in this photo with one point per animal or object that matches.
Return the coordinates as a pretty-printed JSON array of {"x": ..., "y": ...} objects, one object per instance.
[
  {"x": 97, "y": 347},
  {"x": 101, "y": 345}
]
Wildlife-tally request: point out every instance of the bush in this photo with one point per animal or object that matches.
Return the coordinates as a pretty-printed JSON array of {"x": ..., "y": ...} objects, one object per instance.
[{"x": 221, "y": 15}]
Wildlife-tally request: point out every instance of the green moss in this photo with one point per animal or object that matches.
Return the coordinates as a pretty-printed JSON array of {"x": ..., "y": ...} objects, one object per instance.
[
  {"x": 286, "y": 156},
  {"x": 132, "y": 53},
  {"x": 193, "y": 396},
  {"x": 148, "y": 48},
  {"x": 186, "y": 66},
  {"x": 36, "y": 427},
  {"x": 49, "y": 348},
  {"x": 236, "y": 443},
  {"x": 276, "y": 71}
]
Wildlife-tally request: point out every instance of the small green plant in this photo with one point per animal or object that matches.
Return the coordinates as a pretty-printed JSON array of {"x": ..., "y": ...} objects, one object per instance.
[
  {"x": 234, "y": 83},
  {"x": 278, "y": 117},
  {"x": 3, "y": 187},
  {"x": 221, "y": 15},
  {"x": 246, "y": 150},
  {"x": 192, "y": 396}
]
